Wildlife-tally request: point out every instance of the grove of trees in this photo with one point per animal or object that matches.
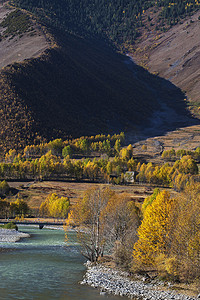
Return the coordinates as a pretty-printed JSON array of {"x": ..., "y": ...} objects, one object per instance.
[
  {"x": 103, "y": 220},
  {"x": 13, "y": 209},
  {"x": 101, "y": 158},
  {"x": 55, "y": 207},
  {"x": 162, "y": 238},
  {"x": 168, "y": 237}
]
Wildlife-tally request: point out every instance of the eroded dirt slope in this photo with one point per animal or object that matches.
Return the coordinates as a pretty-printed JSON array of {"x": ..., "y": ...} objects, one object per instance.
[
  {"x": 15, "y": 46},
  {"x": 174, "y": 55}
]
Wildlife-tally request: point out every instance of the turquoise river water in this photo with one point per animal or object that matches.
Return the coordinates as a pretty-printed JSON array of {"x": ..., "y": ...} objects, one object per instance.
[{"x": 44, "y": 267}]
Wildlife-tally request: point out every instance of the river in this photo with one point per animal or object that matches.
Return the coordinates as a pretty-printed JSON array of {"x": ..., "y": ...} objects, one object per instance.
[{"x": 43, "y": 267}]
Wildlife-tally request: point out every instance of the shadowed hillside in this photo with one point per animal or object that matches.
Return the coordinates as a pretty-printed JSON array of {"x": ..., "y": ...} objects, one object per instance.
[{"x": 75, "y": 89}]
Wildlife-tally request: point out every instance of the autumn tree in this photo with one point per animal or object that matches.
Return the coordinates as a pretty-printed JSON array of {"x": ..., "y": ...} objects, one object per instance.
[
  {"x": 4, "y": 208},
  {"x": 104, "y": 220},
  {"x": 56, "y": 146},
  {"x": 86, "y": 215},
  {"x": 117, "y": 146},
  {"x": 185, "y": 233},
  {"x": 67, "y": 151},
  {"x": 4, "y": 187},
  {"x": 121, "y": 221},
  {"x": 154, "y": 231},
  {"x": 10, "y": 156},
  {"x": 55, "y": 207},
  {"x": 19, "y": 208}
]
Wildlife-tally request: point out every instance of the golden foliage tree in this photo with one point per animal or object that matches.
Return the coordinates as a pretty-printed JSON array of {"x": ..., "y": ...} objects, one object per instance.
[
  {"x": 154, "y": 231},
  {"x": 55, "y": 207}
]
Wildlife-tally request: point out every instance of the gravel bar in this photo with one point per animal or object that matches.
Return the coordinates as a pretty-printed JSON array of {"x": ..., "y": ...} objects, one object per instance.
[
  {"x": 11, "y": 235},
  {"x": 117, "y": 282}
]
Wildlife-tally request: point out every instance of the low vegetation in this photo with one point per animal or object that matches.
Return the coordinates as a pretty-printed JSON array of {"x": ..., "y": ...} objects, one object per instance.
[
  {"x": 10, "y": 225},
  {"x": 15, "y": 24}
]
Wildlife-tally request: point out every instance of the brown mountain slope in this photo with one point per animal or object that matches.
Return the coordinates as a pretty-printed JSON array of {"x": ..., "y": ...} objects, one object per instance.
[
  {"x": 174, "y": 55},
  {"x": 21, "y": 38}
]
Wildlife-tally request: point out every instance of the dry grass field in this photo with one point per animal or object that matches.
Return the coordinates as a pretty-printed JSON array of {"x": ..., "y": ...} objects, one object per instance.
[
  {"x": 174, "y": 54},
  {"x": 36, "y": 192}
]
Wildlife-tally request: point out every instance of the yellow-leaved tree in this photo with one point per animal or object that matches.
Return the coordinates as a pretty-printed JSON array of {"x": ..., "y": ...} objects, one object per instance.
[
  {"x": 154, "y": 231},
  {"x": 55, "y": 207}
]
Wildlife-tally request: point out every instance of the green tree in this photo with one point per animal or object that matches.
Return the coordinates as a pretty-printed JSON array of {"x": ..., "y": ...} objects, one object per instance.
[{"x": 67, "y": 151}]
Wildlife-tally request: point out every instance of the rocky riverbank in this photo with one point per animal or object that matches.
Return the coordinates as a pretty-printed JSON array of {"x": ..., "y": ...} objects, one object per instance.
[
  {"x": 118, "y": 283},
  {"x": 11, "y": 235}
]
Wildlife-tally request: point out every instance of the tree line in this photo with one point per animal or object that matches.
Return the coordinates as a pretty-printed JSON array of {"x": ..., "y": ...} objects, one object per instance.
[
  {"x": 172, "y": 155},
  {"x": 84, "y": 145},
  {"x": 98, "y": 159}
]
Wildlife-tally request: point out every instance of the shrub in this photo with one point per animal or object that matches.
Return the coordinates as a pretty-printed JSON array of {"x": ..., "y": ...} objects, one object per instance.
[{"x": 10, "y": 225}]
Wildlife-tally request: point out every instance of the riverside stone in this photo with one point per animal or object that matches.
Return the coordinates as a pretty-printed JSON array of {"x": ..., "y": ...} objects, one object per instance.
[
  {"x": 118, "y": 283},
  {"x": 11, "y": 235}
]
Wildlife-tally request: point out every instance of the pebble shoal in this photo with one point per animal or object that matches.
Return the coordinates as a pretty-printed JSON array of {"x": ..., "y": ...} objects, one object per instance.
[{"x": 117, "y": 282}]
